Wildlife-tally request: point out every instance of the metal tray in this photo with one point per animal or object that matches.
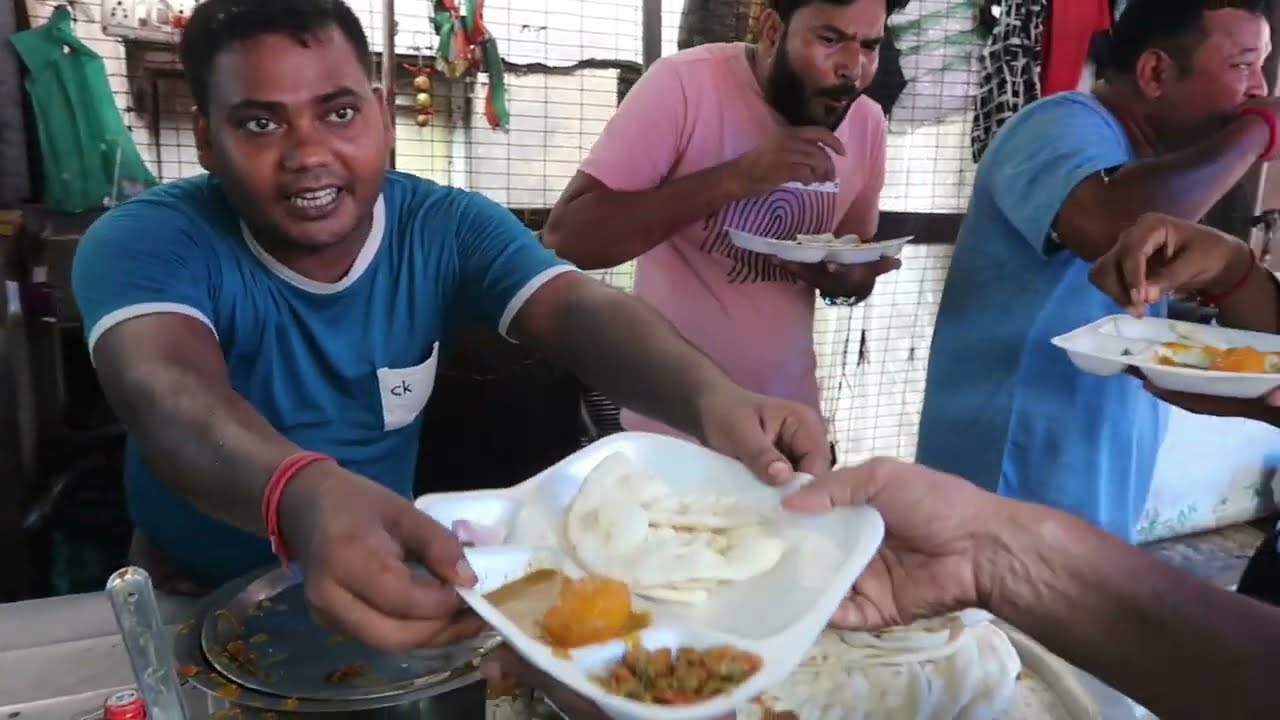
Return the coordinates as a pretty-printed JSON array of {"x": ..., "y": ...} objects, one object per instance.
[{"x": 291, "y": 657}]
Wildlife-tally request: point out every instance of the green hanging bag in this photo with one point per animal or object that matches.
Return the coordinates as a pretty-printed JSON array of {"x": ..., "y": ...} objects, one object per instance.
[{"x": 88, "y": 157}]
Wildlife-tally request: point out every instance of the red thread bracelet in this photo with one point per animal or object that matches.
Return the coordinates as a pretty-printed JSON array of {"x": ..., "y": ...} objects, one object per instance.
[
  {"x": 1217, "y": 300},
  {"x": 1273, "y": 131},
  {"x": 271, "y": 495}
]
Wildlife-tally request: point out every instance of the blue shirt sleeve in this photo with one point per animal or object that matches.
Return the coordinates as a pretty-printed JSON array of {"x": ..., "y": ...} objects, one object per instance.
[
  {"x": 1041, "y": 156},
  {"x": 140, "y": 258},
  {"x": 500, "y": 262}
]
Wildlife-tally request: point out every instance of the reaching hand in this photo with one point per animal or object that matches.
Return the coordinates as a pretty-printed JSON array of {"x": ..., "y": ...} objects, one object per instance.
[
  {"x": 352, "y": 538},
  {"x": 1161, "y": 254},
  {"x": 926, "y": 565},
  {"x": 775, "y": 438},
  {"x": 789, "y": 154},
  {"x": 843, "y": 281}
]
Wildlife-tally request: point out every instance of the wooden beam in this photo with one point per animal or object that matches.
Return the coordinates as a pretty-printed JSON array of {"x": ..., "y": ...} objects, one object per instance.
[{"x": 389, "y": 66}]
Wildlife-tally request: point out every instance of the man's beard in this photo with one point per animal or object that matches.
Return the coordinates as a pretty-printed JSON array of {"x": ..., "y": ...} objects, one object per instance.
[{"x": 786, "y": 92}]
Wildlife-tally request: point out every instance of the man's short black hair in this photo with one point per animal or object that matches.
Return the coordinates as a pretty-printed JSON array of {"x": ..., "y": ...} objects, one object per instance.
[
  {"x": 1173, "y": 26},
  {"x": 216, "y": 24},
  {"x": 787, "y": 8}
]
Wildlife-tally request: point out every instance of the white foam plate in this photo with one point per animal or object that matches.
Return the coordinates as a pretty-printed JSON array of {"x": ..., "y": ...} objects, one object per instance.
[
  {"x": 1110, "y": 345},
  {"x": 843, "y": 253},
  {"x": 777, "y": 615}
]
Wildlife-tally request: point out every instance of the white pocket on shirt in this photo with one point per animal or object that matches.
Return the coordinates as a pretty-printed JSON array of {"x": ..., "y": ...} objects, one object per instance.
[{"x": 404, "y": 391}]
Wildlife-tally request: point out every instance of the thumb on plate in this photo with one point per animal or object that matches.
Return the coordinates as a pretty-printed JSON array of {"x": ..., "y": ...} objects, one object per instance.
[{"x": 843, "y": 487}]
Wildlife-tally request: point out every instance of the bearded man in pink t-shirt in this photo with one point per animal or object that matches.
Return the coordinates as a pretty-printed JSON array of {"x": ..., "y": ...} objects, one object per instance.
[{"x": 731, "y": 135}]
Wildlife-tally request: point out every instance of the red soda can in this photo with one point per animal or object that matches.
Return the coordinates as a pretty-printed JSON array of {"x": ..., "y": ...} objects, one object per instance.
[{"x": 124, "y": 705}]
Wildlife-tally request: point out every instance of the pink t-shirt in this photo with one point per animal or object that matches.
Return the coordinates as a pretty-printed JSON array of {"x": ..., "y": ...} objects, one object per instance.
[{"x": 697, "y": 109}]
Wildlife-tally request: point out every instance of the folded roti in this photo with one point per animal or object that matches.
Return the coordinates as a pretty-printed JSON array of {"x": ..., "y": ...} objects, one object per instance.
[
  {"x": 936, "y": 670},
  {"x": 710, "y": 512},
  {"x": 625, "y": 523}
]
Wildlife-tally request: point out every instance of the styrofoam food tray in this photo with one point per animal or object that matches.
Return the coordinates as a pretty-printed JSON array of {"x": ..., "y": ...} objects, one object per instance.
[
  {"x": 777, "y": 615},
  {"x": 1110, "y": 345},
  {"x": 816, "y": 253}
]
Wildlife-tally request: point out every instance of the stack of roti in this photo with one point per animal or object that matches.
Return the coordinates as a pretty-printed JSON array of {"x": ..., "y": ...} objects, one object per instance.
[
  {"x": 627, "y": 524},
  {"x": 955, "y": 666}
]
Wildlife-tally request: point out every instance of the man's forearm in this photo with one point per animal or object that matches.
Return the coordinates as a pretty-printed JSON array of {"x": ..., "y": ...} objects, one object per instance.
[
  {"x": 1179, "y": 646},
  {"x": 208, "y": 444},
  {"x": 623, "y": 348},
  {"x": 1187, "y": 184},
  {"x": 604, "y": 228},
  {"x": 1255, "y": 305}
]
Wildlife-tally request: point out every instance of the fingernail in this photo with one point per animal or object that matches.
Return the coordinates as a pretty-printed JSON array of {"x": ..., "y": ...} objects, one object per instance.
[
  {"x": 466, "y": 575},
  {"x": 847, "y": 616},
  {"x": 801, "y": 500},
  {"x": 779, "y": 470}
]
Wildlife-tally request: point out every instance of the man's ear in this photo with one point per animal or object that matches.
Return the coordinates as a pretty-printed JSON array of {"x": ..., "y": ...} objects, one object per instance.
[
  {"x": 1154, "y": 71},
  {"x": 770, "y": 31},
  {"x": 204, "y": 143}
]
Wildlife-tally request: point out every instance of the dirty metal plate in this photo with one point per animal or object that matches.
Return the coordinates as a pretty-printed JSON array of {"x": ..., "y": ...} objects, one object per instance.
[{"x": 261, "y": 637}]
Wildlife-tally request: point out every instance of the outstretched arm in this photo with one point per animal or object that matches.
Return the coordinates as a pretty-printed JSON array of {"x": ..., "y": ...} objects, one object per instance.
[{"x": 1179, "y": 646}]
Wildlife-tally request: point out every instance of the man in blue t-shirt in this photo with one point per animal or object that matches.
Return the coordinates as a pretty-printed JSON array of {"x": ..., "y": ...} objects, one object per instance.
[
  {"x": 297, "y": 298},
  {"x": 1176, "y": 122}
]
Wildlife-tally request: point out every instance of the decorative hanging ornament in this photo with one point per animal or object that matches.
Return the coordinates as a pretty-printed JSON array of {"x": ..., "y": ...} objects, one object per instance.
[
  {"x": 422, "y": 88},
  {"x": 466, "y": 46}
]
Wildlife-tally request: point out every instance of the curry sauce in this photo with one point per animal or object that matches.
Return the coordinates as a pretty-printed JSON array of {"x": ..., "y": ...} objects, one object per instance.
[{"x": 567, "y": 613}]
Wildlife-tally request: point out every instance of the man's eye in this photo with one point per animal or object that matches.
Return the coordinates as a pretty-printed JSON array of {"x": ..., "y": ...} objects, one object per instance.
[
  {"x": 343, "y": 115},
  {"x": 260, "y": 125}
]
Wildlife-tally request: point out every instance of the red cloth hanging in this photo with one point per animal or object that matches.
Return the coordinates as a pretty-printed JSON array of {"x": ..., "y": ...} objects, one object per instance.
[{"x": 1068, "y": 30}]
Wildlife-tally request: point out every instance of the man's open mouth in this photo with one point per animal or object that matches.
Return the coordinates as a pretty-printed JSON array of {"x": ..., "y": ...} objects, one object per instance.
[{"x": 313, "y": 200}]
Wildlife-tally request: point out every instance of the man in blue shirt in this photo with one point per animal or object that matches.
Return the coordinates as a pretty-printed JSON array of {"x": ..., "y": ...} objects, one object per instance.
[
  {"x": 298, "y": 296},
  {"x": 1175, "y": 123}
]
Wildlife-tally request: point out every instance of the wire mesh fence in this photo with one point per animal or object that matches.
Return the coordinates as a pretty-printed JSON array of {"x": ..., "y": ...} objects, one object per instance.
[{"x": 567, "y": 64}]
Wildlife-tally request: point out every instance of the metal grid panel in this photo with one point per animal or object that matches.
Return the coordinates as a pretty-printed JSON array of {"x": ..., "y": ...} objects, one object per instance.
[
  {"x": 872, "y": 359},
  {"x": 568, "y": 62}
]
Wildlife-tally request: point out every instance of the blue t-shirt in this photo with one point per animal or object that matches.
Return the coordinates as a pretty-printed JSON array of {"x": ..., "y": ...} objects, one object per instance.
[
  {"x": 1003, "y": 407},
  {"x": 342, "y": 368}
]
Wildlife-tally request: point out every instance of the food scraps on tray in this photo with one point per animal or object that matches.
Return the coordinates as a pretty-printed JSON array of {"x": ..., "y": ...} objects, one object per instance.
[
  {"x": 829, "y": 240},
  {"x": 1240, "y": 359},
  {"x": 681, "y": 677},
  {"x": 627, "y": 523},
  {"x": 345, "y": 673}
]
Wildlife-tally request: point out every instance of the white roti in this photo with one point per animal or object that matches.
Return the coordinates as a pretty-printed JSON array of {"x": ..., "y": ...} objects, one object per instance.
[
  {"x": 625, "y": 523},
  {"x": 711, "y": 512},
  {"x": 946, "y": 667},
  {"x": 606, "y": 520}
]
